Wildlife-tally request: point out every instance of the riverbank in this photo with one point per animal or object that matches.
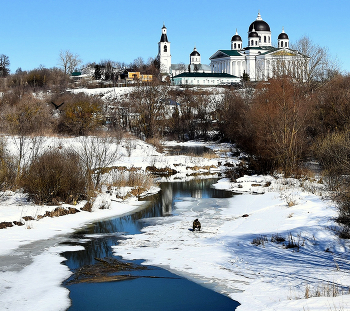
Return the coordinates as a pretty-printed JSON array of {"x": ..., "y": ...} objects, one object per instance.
[
  {"x": 242, "y": 257},
  {"x": 270, "y": 251},
  {"x": 30, "y": 260}
]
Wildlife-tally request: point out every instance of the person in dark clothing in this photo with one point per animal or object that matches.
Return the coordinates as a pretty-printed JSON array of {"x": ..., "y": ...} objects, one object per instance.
[{"x": 196, "y": 225}]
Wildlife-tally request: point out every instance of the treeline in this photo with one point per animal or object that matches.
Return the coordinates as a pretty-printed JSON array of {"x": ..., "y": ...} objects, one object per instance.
[
  {"x": 58, "y": 79},
  {"x": 281, "y": 123},
  {"x": 108, "y": 70}
]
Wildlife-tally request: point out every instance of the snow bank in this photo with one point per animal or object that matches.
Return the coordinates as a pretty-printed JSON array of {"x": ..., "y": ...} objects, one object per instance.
[
  {"x": 266, "y": 275},
  {"x": 35, "y": 288}
]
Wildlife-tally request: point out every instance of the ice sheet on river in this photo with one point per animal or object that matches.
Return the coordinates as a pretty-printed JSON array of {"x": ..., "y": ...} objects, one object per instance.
[{"x": 222, "y": 256}]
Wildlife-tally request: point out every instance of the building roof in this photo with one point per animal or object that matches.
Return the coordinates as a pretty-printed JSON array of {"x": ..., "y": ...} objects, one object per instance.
[
  {"x": 164, "y": 38},
  {"x": 225, "y": 53},
  {"x": 204, "y": 75},
  {"x": 265, "y": 49},
  {"x": 200, "y": 67},
  {"x": 184, "y": 67}
]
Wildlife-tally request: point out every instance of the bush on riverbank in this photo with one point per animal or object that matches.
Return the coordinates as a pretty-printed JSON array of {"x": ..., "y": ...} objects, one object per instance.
[
  {"x": 55, "y": 176},
  {"x": 7, "y": 168}
]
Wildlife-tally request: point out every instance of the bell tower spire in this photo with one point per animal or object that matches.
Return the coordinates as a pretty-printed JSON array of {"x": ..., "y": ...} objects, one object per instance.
[{"x": 164, "y": 55}]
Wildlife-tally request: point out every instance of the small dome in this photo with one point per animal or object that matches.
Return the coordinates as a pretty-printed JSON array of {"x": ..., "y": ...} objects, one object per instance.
[
  {"x": 195, "y": 53},
  {"x": 253, "y": 34},
  {"x": 259, "y": 25},
  {"x": 236, "y": 37},
  {"x": 283, "y": 35}
]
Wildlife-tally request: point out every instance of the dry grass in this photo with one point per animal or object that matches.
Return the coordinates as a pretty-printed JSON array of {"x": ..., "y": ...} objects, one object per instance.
[
  {"x": 209, "y": 155},
  {"x": 156, "y": 143},
  {"x": 325, "y": 290},
  {"x": 130, "y": 178},
  {"x": 261, "y": 240}
]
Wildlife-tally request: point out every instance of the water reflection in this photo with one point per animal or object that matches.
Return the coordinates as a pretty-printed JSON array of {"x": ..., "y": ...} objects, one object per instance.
[
  {"x": 167, "y": 199},
  {"x": 104, "y": 234},
  {"x": 161, "y": 204}
]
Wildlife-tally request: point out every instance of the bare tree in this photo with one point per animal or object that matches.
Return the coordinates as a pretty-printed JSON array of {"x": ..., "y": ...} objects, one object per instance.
[
  {"x": 149, "y": 102},
  {"x": 26, "y": 122},
  {"x": 279, "y": 117},
  {"x": 96, "y": 154},
  {"x": 315, "y": 62},
  {"x": 69, "y": 61}
]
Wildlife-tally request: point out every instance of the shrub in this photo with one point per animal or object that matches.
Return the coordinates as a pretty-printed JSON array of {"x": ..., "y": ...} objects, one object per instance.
[
  {"x": 7, "y": 168},
  {"x": 277, "y": 238},
  {"x": 261, "y": 240},
  {"x": 27, "y": 116},
  {"x": 55, "y": 176},
  {"x": 80, "y": 114}
]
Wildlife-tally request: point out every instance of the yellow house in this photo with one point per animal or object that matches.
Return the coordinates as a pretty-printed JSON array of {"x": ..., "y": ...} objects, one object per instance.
[{"x": 132, "y": 76}]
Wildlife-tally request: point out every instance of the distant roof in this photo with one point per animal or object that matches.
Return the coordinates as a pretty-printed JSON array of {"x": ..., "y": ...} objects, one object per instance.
[
  {"x": 179, "y": 66},
  {"x": 204, "y": 75},
  {"x": 231, "y": 52},
  {"x": 225, "y": 53},
  {"x": 267, "y": 49},
  {"x": 200, "y": 67}
]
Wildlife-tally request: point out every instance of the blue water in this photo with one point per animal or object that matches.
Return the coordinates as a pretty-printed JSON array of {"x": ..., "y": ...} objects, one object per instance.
[{"x": 163, "y": 290}]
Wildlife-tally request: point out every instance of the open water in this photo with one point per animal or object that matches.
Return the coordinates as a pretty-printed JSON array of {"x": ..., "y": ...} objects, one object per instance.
[{"x": 164, "y": 290}]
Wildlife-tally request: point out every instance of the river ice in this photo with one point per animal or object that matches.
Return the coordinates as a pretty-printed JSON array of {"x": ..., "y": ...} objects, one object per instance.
[
  {"x": 268, "y": 276},
  {"x": 261, "y": 277}
]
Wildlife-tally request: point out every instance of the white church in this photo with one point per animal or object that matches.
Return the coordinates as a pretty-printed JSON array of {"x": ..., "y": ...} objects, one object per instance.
[{"x": 259, "y": 61}]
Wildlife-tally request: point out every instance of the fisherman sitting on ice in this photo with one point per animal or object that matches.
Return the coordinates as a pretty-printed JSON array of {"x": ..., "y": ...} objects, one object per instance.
[{"x": 196, "y": 225}]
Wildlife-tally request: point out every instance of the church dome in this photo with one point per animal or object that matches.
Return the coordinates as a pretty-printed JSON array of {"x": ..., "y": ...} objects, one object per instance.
[
  {"x": 283, "y": 35},
  {"x": 253, "y": 34},
  {"x": 259, "y": 25},
  {"x": 236, "y": 38},
  {"x": 195, "y": 53}
]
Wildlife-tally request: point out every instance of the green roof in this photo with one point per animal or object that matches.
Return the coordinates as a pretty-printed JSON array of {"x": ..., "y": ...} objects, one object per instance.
[
  {"x": 225, "y": 53},
  {"x": 76, "y": 73},
  {"x": 269, "y": 48},
  {"x": 231, "y": 52},
  {"x": 204, "y": 75}
]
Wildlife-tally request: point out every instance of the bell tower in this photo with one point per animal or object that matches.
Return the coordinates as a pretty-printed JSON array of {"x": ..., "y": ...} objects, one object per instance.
[{"x": 164, "y": 55}]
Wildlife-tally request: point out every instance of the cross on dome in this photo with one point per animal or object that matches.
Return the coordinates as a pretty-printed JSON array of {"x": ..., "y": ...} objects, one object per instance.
[{"x": 259, "y": 17}]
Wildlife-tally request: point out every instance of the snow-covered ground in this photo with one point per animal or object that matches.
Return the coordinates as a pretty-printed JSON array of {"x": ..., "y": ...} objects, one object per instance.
[{"x": 268, "y": 276}]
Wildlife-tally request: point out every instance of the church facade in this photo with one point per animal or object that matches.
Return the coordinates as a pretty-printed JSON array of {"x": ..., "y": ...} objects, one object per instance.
[
  {"x": 259, "y": 61},
  {"x": 164, "y": 57}
]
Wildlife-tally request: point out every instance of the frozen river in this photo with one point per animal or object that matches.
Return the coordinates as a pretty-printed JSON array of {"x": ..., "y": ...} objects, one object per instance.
[{"x": 153, "y": 288}]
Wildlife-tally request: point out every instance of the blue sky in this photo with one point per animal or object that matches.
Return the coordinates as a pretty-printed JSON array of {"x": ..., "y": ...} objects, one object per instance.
[{"x": 35, "y": 31}]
